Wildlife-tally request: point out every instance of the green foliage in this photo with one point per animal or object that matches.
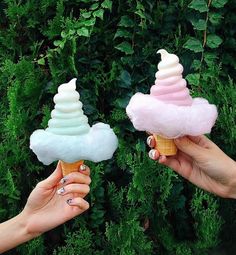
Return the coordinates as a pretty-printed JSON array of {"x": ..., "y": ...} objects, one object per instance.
[{"x": 137, "y": 206}]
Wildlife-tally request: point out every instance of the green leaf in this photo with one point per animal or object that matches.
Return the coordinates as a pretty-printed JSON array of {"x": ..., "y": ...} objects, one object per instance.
[
  {"x": 126, "y": 22},
  {"x": 215, "y": 18},
  {"x": 122, "y": 33},
  {"x": 94, "y": 6},
  {"x": 194, "y": 45},
  {"x": 107, "y": 4},
  {"x": 41, "y": 61},
  {"x": 88, "y": 23},
  {"x": 199, "y": 5},
  {"x": 210, "y": 58},
  {"x": 213, "y": 41},
  {"x": 86, "y": 15},
  {"x": 196, "y": 64},
  {"x": 57, "y": 43},
  {"x": 124, "y": 79},
  {"x": 83, "y": 31},
  {"x": 199, "y": 24},
  {"x": 125, "y": 47},
  {"x": 99, "y": 13},
  {"x": 63, "y": 34},
  {"x": 193, "y": 78},
  {"x": 218, "y": 3}
]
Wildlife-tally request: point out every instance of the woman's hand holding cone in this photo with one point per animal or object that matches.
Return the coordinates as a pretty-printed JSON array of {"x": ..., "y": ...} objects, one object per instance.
[{"x": 201, "y": 162}]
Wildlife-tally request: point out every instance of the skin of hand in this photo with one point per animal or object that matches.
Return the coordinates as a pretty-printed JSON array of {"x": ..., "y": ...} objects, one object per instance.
[
  {"x": 201, "y": 162},
  {"x": 53, "y": 201}
]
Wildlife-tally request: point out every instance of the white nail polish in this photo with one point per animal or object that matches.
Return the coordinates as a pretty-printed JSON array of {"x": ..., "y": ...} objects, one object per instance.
[
  {"x": 152, "y": 154},
  {"x": 63, "y": 180},
  {"x": 60, "y": 191},
  {"x": 149, "y": 140},
  {"x": 82, "y": 167}
]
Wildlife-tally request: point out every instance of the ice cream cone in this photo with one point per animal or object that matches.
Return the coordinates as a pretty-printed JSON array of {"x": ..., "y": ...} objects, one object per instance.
[
  {"x": 165, "y": 146},
  {"x": 68, "y": 168}
]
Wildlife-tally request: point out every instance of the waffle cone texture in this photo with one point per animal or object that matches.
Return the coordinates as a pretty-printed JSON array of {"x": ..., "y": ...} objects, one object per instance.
[
  {"x": 68, "y": 168},
  {"x": 165, "y": 146}
]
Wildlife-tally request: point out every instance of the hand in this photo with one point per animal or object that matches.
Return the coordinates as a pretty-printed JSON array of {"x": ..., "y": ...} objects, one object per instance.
[
  {"x": 57, "y": 200},
  {"x": 201, "y": 162}
]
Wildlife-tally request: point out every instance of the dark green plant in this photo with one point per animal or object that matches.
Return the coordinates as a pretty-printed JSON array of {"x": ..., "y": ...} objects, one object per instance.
[{"x": 137, "y": 206}]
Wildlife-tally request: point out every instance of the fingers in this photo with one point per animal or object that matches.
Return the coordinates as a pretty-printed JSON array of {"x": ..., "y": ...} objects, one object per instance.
[
  {"x": 191, "y": 148},
  {"x": 78, "y": 177},
  {"x": 153, "y": 154},
  {"x": 151, "y": 142},
  {"x": 81, "y": 189},
  {"x": 84, "y": 170},
  {"x": 79, "y": 202},
  {"x": 202, "y": 141},
  {"x": 53, "y": 179}
]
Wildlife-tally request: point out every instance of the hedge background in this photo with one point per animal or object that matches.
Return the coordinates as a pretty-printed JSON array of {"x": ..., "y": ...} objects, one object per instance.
[{"x": 137, "y": 206}]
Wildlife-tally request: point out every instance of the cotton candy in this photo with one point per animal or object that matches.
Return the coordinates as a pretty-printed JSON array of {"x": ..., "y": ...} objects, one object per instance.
[
  {"x": 68, "y": 136},
  {"x": 169, "y": 110}
]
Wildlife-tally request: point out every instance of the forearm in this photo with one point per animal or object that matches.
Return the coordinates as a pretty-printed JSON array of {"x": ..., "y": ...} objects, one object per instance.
[{"x": 14, "y": 232}]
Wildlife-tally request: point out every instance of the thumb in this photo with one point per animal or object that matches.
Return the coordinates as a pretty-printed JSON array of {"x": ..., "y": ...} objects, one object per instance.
[
  {"x": 55, "y": 177},
  {"x": 189, "y": 147}
]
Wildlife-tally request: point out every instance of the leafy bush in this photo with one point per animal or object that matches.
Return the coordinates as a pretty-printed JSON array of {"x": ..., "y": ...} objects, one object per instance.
[{"x": 137, "y": 206}]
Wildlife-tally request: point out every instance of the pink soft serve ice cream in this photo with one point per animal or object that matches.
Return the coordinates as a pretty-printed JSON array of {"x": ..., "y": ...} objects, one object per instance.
[
  {"x": 169, "y": 111},
  {"x": 170, "y": 87}
]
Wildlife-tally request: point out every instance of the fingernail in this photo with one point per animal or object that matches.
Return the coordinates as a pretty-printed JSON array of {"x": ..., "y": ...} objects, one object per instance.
[
  {"x": 69, "y": 201},
  {"x": 149, "y": 140},
  {"x": 60, "y": 191},
  {"x": 63, "y": 180},
  {"x": 152, "y": 154},
  {"x": 83, "y": 167}
]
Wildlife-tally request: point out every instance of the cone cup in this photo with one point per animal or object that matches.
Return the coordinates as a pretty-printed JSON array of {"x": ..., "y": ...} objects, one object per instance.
[
  {"x": 68, "y": 168},
  {"x": 165, "y": 146}
]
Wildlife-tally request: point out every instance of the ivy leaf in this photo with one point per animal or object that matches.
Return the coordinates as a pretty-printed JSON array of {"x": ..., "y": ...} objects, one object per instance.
[
  {"x": 199, "y": 5},
  {"x": 99, "y": 13},
  {"x": 210, "y": 58},
  {"x": 59, "y": 43},
  {"x": 193, "y": 78},
  {"x": 194, "y": 45},
  {"x": 126, "y": 22},
  {"x": 107, "y": 4},
  {"x": 86, "y": 15},
  {"x": 122, "y": 33},
  {"x": 125, "y": 47},
  {"x": 218, "y": 3},
  {"x": 94, "y": 6},
  {"x": 83, "y": 31},
  {"x": 213, "y": 41},
  {"x": 215, "y": 18},
  {"x": 199, "y": 24},
  {"x": 88, "y": 23},
  {"x": 41, "y": 61},
  {"x": 124, "y": 79}
]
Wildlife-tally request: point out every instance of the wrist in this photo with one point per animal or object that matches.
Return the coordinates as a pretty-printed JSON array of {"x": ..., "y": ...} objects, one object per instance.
[
  {"x": 232, "y": 186},
  {"x": 27, "y": 225}
]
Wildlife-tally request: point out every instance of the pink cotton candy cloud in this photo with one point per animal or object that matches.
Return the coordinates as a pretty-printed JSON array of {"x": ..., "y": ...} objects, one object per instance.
[
  {"x": 168, "y": 120},
  {"x": 169, "y": 110}
]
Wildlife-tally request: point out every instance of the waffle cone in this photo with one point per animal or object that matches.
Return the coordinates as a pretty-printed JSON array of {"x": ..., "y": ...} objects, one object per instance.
[
  {"x": 68, "y": 168},
  {"x": 165, "y": 146}
]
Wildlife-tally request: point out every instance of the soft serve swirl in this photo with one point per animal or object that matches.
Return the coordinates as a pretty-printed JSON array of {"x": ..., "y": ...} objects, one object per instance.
[
  {"x": 170, "y": 87},
  {"x": 68, "y": 118}
]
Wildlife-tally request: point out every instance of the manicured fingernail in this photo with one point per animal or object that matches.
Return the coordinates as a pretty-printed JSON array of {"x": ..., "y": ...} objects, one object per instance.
[
  {"x": 63, "y": 180},
  {"x": 149, "y": 139},
  {"x": 69, "y": 201},
  {"x": 82, "y": 167},
  {"x": 152, "y": 154},
  {"x": 60, "y": 191}
]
